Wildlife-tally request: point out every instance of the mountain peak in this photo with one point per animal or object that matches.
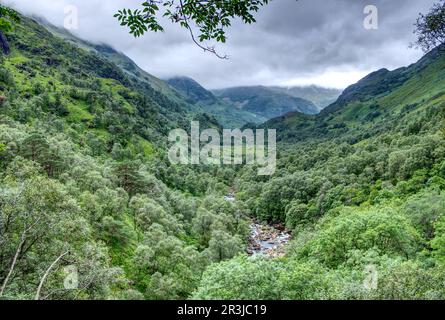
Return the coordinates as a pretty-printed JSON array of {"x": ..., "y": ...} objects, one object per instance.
[
  {"x": 190, "y": 88},
  {"x": 383, "y": 80}
]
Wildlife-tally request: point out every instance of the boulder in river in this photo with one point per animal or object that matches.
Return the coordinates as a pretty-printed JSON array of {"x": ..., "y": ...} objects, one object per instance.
[{"x": 268, "y": 240}]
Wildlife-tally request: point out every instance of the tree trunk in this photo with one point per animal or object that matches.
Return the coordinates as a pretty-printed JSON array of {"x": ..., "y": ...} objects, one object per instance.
[
  {"x": 14, "y": 261},
  {"x": 42, "y": 281},
  {"x": 4, "y": 43}
]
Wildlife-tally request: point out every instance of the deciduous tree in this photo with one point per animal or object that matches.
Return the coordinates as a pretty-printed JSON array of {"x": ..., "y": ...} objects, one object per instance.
[
  {"x": 430, "y": 27},
  {"x": 210, "y": 17}
]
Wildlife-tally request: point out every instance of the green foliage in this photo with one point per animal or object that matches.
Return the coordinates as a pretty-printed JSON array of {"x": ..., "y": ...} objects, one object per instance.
[
  {"x": 359, "y": 189},
  {"x": 382, "y": 230},
  {"x": 408, "y": 281},
  {"x": 296, "y": 214},
  {"x": 430, "y": 28},
  {"x": 83, "y": 171},
  {"x": 211, "y": 17},
  {"x": 224, "y": 246},
  {"x": 5, "y": 25},
  {"x": 6, "y": 16},
  {"x": 425, "y": 210},
  {"x": 438, "y": 242},
  {"x": 247, "y": 278},
  {"x": 6, "y": 77},
  {"x": 84, "y": 174},
  {"x": 241, "y": 278}
]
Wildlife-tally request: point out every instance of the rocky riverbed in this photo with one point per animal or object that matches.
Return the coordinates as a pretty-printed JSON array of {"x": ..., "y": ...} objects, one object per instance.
[{"x": 269, "y": 240}]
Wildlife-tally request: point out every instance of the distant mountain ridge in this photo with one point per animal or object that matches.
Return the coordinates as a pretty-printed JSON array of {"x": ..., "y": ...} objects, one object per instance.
[
  {"x": 196, "y": 99},
  {"x": 257, "y": 104},
  {"x": 226, "y": 113},
  {"x": 320, "y": 96},
  {"x": 265, "y": 101}
]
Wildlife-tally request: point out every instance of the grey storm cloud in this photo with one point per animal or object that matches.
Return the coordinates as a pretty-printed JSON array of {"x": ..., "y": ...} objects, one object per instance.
[{"x": 293, "y": 42}]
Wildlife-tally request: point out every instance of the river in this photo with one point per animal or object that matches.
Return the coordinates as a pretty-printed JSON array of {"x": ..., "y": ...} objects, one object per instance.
[{"x": 268, "y": 240}]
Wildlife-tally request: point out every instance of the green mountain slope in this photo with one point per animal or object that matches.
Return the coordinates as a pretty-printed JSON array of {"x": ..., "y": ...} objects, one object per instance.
[
  {"x": 121, "y": 60},
  {"x": 226, "y": 113},
  {"x": 374, "y": 104},
  {"x": 192, "y": 90},
  {"x": 265, "y": 101},
  {"x": 84, "y": 176},
  {"x": 83, "y": 77}
]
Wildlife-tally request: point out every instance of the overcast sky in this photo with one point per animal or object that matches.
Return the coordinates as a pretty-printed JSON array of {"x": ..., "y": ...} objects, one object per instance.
[{"x": 319, "y": 42}]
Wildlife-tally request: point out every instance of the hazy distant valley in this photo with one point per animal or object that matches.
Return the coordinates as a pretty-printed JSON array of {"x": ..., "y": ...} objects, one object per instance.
[{"x": 238, "y": 106}]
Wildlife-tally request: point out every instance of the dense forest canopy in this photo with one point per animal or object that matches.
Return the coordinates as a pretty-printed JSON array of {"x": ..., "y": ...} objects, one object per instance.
[{"x": 91, "y": 208}]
